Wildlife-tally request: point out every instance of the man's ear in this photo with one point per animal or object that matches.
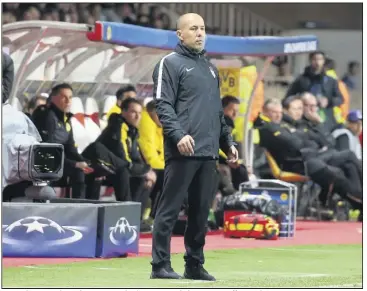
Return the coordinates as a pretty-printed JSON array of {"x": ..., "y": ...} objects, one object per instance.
[{"x": 179, "y": 34}]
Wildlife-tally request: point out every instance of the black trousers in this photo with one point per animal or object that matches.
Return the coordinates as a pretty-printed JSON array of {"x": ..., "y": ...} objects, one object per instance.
[
  {"x": 341, "y": 170},
  {"x": 120, "y": 180},
  {"x": 156, "y": 192},
  {"x": 76, "y": 179},
  {"x": 139, "y": 192},
  {"x": 197, "y": 179}
]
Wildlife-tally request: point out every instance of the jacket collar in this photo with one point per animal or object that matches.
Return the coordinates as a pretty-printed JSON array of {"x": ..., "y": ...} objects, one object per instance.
[
  {"x": 186, "y": 51},
  {"x": 62, "y": 116}
]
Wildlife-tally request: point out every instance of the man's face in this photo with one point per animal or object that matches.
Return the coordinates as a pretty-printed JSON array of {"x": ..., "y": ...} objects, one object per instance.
[
  {"x": 231, "y": 110},
  {"x": 295, "y": 109},
  {"x": 192, "y": 32},
  {"x": 355, "y": 127},
  {"x": 133, "y": 114},
  {"x": 63, "y": 99},
  {"x": 128, "y": 94},
  {"x": 153, "y": 115},
  {"x": 310, "y": 106},
  {"x": 317, "y": 62},
  {"x": 274, "y": 112}
]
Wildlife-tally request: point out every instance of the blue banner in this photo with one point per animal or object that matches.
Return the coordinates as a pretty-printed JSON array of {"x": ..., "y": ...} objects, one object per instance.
[
  {"x": 119, "y": 229},
  {"x": 49, "y": 230}
]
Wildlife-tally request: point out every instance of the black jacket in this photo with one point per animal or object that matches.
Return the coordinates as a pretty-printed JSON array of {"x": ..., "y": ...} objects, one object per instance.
[
  {"x": 7, "y": 76},
  {"x": 288, "y": 146},
  {"x": 329, "y": 86},
  {"x": 54, "y": 127},
  {"x": 187, "y": 94},
  {"x": 121, "y": 139},
  {"x": 318, "y": 129}
]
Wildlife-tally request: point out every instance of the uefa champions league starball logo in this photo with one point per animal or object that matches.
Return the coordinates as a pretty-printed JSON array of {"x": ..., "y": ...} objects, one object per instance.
[
  {"x": 123, "y": 233},
  {"x": 46, "y": 232}
]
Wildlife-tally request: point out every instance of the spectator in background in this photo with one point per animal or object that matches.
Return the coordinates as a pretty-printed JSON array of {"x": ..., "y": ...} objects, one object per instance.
[
  {"x": 350, "y": 78},
  {"x": 123, "y": 93},
  {"x": 330, "y": 68},
  {"x": 348, "y": 138},
  {"x": 53, "y": 123},
  {"x": 325, "y": 88},
  {"x": 36, "y": 101},
  {"x": 151, "y": 145}
]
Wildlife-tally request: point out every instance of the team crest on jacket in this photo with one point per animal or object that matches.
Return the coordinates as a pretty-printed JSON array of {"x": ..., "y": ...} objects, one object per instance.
[{"x": 212, "y": 71}]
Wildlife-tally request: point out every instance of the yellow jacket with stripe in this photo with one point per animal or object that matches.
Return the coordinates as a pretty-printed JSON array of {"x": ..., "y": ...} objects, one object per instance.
[{"x": 151, "y": 142}]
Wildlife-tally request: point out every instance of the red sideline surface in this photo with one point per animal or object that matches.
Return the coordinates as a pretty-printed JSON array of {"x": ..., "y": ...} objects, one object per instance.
[{"x": 307, "y": 233}]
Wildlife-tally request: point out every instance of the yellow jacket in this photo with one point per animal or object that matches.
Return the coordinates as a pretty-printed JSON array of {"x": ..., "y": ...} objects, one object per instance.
[
  {"x": 114, "y": 109},
  {"x": 344, "y": 108},
  {"x": 151, "y": 142}
]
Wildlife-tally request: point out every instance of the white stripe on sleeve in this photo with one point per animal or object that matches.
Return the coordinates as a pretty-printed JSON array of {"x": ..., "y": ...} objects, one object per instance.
[{"x": 160, "y": 75}]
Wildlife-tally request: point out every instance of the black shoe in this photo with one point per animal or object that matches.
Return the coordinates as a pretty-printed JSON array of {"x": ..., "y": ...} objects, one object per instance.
[
  {"x": 138, "y": 170},
  {"x": 165, "y": 272},
  {"x": 197, "y": 272},
  {"x": 145, "y": 227}
]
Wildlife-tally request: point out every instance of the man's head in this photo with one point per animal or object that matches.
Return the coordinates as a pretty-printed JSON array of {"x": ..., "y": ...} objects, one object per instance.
[
  {"x": 124, "y": 92},
  {"x": 273, "y": 110},
  {"x": 191, "y": 31},
  {"x": 61, "y": 96},
  {"x": 310, "y": 104},
  {"x": 153, "y": 113},
  {"x": 354, "y": 121},
  {"x": 231, "y": 106},
  {"x": 37, "y": 101},
  {"x": 293, "y": 106},
  {"x": 317, "y": 61},
  {"x": 131, "y": 109}
]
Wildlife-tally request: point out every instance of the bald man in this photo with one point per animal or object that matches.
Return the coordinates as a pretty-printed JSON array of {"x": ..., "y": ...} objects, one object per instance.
[{"x": 188, "y": 104}]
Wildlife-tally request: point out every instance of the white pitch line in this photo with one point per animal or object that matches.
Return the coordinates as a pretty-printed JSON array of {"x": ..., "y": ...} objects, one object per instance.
[
  {"x": 282, "y": 274},
  {"x": 310, "y": 250},
  {"x": 356, "y": 285}
]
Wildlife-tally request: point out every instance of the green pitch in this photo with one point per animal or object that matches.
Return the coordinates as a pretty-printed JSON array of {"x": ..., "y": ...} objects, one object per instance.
[{"x": 306, "y": 266}]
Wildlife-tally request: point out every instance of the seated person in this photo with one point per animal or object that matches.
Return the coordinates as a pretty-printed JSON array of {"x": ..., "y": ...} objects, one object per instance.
[
  {"x": 121, "y": 138},
  {"x": 348, "y": 138},
  {"x": 35, "y": 101},
  {"x": 312, "y": 121},
  {"x": 151, "y": 146},
  {"x": 53, "y": 123},
  {"x": 123, "y": 93},
  {"x": 232, "y": 174},
  {"x": 294, "y": 151},
  {"x": 344, "y": 160}
]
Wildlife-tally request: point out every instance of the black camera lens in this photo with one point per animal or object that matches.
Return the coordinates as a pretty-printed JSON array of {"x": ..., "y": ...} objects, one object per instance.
[{"x": 47, "y": 160}]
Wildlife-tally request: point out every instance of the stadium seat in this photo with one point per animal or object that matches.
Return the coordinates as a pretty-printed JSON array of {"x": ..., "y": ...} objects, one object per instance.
[
  {"x": 77, "y": 122},
  {"x": 108, "y": 103},
  {"x": 285, "y": 176},
  {"x": 91, "y": 119}
]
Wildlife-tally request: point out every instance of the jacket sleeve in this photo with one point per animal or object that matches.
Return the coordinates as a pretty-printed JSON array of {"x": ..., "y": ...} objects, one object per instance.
[
  {"x": 283, "y": 138},
  {"x": 225, "y": 140},
  {"x": 342, "y": 143},
  {"x": 294, "y": 88},
  {"x": 166, "y": 80},
  {"x": 115, "y": 136},
  {"x": 7, "y": 77},
  {"x": 337, "y": 97},
  {"x": 71, "y": 151},
  {"x": 148, "y": 142}
]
